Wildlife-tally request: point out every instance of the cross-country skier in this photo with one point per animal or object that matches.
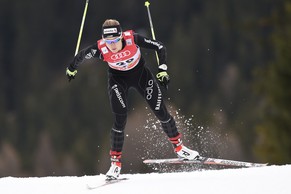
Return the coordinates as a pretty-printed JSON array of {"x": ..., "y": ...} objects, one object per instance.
[{"x": 127, "y": 69}]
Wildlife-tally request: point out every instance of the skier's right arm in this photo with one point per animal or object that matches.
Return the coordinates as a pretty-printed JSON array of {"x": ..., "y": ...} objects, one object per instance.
[{"x": 87, "y": 53}]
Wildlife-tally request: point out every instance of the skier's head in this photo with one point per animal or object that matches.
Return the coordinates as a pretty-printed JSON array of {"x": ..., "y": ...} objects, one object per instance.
[
  {"x": 112, "y": 34},
  {"x": 111, "y": 28}
]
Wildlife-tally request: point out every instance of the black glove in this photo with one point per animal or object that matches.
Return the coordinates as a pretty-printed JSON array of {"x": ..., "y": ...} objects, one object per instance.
[
  {"x": 71, "y": 74},
  {"x": 163, "y": 77}
]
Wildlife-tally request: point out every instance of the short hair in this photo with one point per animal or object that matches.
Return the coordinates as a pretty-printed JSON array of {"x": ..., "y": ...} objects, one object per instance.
[{"x": 110, "y": 22}]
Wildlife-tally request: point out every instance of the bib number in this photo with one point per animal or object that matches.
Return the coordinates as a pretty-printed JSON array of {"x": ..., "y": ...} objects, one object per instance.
[{"x": 124, "y": 63}]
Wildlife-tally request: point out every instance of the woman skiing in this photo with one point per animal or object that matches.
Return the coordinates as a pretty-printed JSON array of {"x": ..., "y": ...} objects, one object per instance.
[{"x": 127, "y": 69}]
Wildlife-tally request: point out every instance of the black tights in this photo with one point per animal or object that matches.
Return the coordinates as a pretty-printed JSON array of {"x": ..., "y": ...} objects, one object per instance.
[{"x": 144, "y": 82}]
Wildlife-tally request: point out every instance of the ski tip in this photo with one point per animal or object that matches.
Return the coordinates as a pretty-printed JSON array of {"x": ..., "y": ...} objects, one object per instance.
[
  {"x": 257, "y": 164},
  {"x": 264, "y": 164}
]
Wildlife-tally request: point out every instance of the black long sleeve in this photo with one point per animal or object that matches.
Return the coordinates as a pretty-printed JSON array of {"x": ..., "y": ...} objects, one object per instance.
[
  {"x": 87, "y": 53},
  {"x": 92, "y": 51},
  {"x": 152, "y": 44}
]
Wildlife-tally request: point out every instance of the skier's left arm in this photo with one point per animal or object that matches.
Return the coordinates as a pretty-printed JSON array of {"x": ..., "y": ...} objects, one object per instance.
[
  {"x": 87, "y": 53},
  {"x": 159, "y": 47}
]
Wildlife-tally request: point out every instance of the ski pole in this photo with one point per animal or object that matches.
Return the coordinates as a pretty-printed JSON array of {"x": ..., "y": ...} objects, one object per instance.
[
  {"x": 81, "y": 27},
  {"x": 147, "y": 4}
]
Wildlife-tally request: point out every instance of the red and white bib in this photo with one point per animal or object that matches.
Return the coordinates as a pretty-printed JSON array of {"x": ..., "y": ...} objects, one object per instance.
[{"x": 125, "y": 59}]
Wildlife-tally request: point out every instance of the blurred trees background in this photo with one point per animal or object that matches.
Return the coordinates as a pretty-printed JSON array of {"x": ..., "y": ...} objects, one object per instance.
[{"x": 229, "y": 92}]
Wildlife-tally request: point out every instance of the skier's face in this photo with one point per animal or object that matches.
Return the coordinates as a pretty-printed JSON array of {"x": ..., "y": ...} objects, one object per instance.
[{"x": 114, "y": 44}]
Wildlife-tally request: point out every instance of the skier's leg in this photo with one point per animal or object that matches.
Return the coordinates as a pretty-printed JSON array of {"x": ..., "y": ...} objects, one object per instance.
[
  {"x": 118, "y": 100},
  {"x": 151, "y": 91},
  {"x": 117, "y": 132},
  {"x": 117, "y": 140},
  {"x": 117, "y": 91}
]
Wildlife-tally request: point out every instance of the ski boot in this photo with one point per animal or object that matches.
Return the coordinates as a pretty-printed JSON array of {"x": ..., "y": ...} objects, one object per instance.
[
  {"x": 115, "y": 168},
  {"x": 182, "y": 151}
]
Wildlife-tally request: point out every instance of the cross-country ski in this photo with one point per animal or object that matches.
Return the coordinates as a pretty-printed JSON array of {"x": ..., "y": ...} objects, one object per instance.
[
  {"x": 205, "y": 160},
  {"x": 106, "y": 182}
]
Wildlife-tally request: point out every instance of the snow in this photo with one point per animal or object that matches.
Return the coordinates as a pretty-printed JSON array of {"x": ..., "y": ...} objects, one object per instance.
[{"x": 269, "y": 179}]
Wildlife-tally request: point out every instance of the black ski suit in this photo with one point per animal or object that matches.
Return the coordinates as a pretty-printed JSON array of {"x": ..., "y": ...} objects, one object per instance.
[{"x": 140, "y": 78}]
